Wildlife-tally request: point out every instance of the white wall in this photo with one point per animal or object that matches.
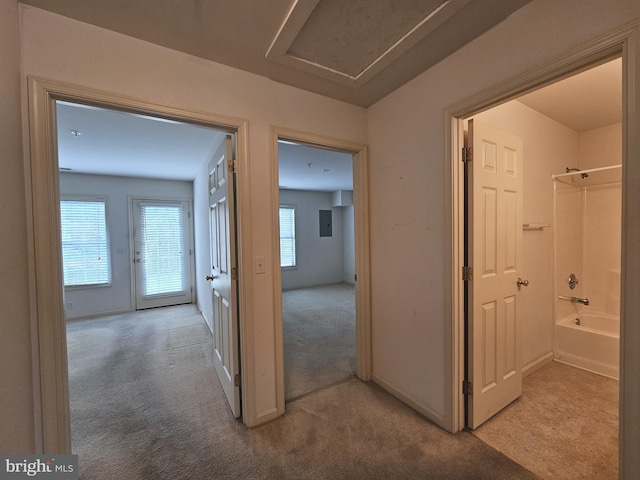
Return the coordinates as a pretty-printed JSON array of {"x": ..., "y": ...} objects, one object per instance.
[
  {"x": 320, "y": 260},
  {"x": 116, "y": 297},
  {"x": 65, "y": 50},
  {"x": 407, "y": 175},
  {"x": 549, "y": 147},
  {"x": 16, "y": 391}
]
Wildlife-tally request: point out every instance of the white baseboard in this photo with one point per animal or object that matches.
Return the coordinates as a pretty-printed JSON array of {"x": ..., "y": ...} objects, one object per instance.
[
  {"x": 407, "y": 399},
  {"x": 537, "y": 364}
]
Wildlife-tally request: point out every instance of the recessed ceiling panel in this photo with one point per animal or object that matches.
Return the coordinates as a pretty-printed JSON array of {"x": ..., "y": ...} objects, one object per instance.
[
  {"x": 350, "y": 42},
  {"x": 349, "y": 36}
]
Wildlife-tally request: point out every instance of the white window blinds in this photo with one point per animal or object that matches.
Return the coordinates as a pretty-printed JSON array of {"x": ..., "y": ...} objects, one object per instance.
[
  {"x": 85, "y": 243},
  {"x": 287, "y": 236},
  {"x": 162, "y": 248}
]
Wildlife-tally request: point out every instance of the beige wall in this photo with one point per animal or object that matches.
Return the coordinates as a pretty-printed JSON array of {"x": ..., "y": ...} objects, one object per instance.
[
  {"x": 549, "y": 147},
  {"x": 407, "y": 184},
  {"x": 16, "y": 392}
]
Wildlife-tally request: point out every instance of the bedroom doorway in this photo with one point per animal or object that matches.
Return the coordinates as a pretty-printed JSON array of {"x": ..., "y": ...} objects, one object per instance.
[{"x": 321, "y": 274}]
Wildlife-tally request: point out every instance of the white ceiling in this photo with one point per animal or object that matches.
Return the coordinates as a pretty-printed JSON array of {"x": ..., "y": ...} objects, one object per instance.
[
  {"x": 583, "y": 102},
  {"x": 357, "y": 51}
]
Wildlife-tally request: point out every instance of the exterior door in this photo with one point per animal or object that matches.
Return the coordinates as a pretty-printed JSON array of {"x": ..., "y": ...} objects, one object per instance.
[
  {"x": 224, "y": 274},
  {"x": 495, "y": 256},
  {"x": 162, "y": 253}
]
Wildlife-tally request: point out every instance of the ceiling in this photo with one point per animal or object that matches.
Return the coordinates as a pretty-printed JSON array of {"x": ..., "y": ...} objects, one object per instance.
[
  {"x": 357, "y": 51},
  {"x": 118, "y": 143},
  {"x": 583, "y": 102}
]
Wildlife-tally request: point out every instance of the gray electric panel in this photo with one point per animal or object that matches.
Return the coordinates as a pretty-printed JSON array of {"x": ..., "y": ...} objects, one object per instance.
[{"x": 325, "y": 223}]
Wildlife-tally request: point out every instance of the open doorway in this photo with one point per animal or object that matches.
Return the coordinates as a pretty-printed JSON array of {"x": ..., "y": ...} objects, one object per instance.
[
  {"x": 47, "y": 178},
  {"x": 567, "y": 140},
  {"x": 353, "y": 273},
  {"x": 317, "y": 261}
]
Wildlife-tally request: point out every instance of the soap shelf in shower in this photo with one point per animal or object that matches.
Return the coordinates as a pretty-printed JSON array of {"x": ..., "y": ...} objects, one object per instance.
[{"x": 534, "y": 226}]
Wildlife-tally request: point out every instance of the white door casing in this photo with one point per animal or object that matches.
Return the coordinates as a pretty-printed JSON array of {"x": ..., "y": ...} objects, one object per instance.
[
  {"x": 224, "y": 275},
  {"x": 495, "y": 256},
  {"x": 162, "y": 252}
]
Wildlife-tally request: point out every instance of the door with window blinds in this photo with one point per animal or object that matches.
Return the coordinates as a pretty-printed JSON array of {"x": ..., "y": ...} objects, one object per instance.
[{"x": 162, "y": 254}]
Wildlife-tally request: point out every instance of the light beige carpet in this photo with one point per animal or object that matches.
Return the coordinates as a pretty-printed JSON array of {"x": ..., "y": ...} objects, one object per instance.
[
  {"x": 146, "y": 404},
  {"x": 319, "y": 337},
  {"x": 564, "y": 427}
]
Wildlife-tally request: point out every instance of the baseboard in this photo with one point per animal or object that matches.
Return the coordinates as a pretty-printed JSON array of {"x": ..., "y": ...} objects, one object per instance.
[
  {"x": 413, "y": 403},
  {"x": 97, "y": 315},
  {"x": 537, "y": 364}
]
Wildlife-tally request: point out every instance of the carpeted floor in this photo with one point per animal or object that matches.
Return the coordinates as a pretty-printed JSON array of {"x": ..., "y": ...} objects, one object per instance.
[
  {"x": 564, "y": 426},
  {"x": 319, "y": 337},
  {"x": 145, "y": 404}
]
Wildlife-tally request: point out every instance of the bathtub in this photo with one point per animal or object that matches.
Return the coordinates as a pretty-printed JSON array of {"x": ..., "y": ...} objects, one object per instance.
[{"x": 593, "y": 345}]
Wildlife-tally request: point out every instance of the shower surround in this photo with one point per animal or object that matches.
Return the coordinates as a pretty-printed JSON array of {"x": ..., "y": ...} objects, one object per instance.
[{"x": 587, "y": 244}]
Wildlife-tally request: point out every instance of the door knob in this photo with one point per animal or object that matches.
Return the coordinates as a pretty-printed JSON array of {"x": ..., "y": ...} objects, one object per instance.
[
  {"x": 521, "y": 283},
  {"x": 209, "y": 277}
]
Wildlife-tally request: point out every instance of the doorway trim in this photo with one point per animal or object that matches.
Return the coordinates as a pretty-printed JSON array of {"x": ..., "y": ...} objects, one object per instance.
[
  {"x": 361, "y": 229},
  {"x": 51, "y": 387},
  {"x": 623, "y": 42}
]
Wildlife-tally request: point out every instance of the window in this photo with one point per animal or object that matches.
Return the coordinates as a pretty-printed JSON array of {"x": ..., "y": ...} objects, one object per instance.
[
  {"x": 85, "y": 243},
  {"x": 287, "y": 236}
]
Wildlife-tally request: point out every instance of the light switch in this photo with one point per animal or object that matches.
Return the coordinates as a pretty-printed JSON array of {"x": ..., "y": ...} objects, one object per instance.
[{"x": 260, "y": 265}]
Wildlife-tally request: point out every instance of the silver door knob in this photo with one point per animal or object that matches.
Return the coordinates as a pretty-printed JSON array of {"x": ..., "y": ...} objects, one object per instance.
[{"x": 522, "y": 283}]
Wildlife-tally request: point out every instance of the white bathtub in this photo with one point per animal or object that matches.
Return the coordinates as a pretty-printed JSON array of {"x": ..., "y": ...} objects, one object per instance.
[{"x": 593, "y": 345}]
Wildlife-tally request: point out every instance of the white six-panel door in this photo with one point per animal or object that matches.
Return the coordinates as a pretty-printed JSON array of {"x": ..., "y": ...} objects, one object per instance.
[
  {"x": 223, "y": 275},
  {"x": 495, "y": 255}
]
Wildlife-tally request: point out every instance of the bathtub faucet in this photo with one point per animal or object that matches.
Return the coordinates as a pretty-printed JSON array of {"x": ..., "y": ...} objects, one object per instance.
[{"x": 584, "y": 301}]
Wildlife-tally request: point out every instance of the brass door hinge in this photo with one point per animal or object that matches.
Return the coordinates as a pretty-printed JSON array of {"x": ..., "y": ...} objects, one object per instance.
[
  {"x": 467, "y": 387},
  {"x": 236, "y": 380},
  {"x": 467, "y": 274},
  {"x": 234, "y": 273},
  {"x": 467, "y": 154}
]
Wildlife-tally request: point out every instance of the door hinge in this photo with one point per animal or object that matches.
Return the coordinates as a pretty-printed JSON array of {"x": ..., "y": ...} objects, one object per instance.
[
  {"x": 232, "y": 166},
  {"x": 467, "y": 274},
  {"x": 355, "y": 277},
  {"x": 467, "y": 387},
  {"x": 234, "y": 273},
  {"x": 467, "y": 154},
  {"x": 236, "y": 380}
]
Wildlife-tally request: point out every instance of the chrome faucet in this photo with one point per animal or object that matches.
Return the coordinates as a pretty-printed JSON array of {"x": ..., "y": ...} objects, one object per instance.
[{"x": 583, "y": 301}]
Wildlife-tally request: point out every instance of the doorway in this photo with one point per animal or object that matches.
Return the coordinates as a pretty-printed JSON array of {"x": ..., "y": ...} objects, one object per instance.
[
  {"x": 317, "y": 261},
  {"x": 162, "y": 260},
  {"x": 550, "y": 143},
  {"x": 358, "y": 247},
  {"x": 51, "y": 319}
]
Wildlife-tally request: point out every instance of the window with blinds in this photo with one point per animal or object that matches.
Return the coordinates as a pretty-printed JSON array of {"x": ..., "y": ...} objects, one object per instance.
[
  {"x": 162, "y": 249},
  {"x": 287, "y": 236},
  {"x": 85, "y": 242}
]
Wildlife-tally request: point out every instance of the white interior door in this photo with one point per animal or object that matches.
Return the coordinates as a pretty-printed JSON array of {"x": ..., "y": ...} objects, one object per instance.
[
  {"x": 224, "y": 275},
  {"x": 162, "y": 253},
  {"x": 495, "y": 256}
]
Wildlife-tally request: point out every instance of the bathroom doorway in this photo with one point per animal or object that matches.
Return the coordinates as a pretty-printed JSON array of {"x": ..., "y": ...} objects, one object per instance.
[{"x": 561, "y": 143}]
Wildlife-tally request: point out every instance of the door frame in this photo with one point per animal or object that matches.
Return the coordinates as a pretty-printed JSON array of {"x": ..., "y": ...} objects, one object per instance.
[
  {"x": 361, "y": 229},
  {"x": 623, "y": 42},
  {"x": 51, "y": 387}
]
